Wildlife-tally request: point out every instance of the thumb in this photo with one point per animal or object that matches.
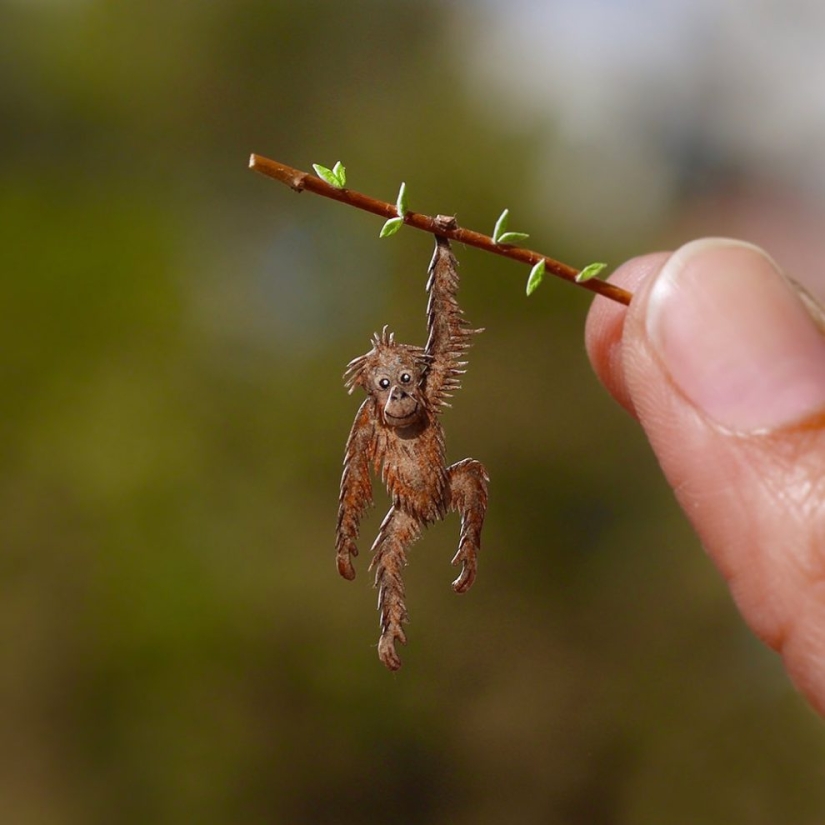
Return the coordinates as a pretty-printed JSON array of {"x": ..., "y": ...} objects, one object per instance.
[{"x": 722, "y": 360}]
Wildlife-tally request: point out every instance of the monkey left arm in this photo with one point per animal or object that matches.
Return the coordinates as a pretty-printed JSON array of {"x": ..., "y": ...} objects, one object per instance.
[
  {"x": 356, "y": 487},
  {"x": 449, "y": 333}
]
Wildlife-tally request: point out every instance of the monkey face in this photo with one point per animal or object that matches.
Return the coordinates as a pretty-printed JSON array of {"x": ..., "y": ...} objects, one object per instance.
[
  {"x": 395, "y": 382},
  {"x": 393, "y": 375}
]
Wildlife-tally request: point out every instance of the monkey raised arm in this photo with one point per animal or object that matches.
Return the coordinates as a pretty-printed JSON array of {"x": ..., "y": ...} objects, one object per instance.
[
  {"x": 356, "y": 487},
  {"x": 450, "y": 335}
]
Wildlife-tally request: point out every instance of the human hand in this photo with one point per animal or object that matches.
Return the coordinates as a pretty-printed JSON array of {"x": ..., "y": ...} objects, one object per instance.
[{"x": 723, "y": 364}]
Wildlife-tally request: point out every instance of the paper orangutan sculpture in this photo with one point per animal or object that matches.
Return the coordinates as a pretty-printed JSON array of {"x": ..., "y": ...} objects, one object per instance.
[{"x": 397, "y": 432}]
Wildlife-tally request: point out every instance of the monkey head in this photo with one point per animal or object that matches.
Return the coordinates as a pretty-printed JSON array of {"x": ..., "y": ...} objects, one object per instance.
[
  {"x": 394, "y": 381},
  {"x": 393, "y": 375}
]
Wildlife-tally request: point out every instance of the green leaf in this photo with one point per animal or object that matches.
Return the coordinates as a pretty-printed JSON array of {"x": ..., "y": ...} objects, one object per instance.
[
  {"x": 512, "y": 237},
  {"x": 536, "y": 277},
  {"x": 590, "y": 271},
  {"x": 500, "y": 233},
  {"x": 501, "y": 225},
  {"x": 336, "y": 177},
  {"x": 401, "y": 201},
  {"x": 391, "y": 227}
]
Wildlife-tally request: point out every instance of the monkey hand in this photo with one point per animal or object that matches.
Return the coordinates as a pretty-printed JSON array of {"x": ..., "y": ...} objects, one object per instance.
[{"x": 344, "y": 556}]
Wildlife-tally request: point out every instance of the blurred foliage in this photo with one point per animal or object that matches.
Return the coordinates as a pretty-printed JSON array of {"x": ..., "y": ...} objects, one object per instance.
[{"x": 174, "y": 643}]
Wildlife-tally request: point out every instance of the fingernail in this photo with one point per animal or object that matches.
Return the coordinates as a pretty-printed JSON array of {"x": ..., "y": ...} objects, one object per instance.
[{"x": 736, "y": 338}]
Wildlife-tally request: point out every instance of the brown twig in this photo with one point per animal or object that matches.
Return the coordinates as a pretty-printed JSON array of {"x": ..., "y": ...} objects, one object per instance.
[{"x": 300, "y": 181}]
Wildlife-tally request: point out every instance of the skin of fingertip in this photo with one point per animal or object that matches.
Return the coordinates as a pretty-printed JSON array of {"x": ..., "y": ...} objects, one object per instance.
[
  {"x": 605, "y": 324},
  {"x": 761, "y": 535}
]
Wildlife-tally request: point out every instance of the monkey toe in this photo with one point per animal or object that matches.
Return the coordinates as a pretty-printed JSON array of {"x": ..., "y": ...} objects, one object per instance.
[
  {"x": 469, "y": 565},
  {"x": 465, "y": 581}
]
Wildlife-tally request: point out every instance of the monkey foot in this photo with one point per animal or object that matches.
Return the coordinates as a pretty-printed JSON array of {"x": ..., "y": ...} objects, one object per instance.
[
  {"x": 386, "y": 648},
  {"x": 467, "y": 557}
]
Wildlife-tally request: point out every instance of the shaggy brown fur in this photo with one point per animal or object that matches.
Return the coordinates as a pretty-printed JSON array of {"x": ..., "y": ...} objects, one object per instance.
[{"x": 397, "y": 432}]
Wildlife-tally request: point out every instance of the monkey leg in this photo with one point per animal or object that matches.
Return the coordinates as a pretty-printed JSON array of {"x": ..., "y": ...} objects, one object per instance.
[
  {"x": 467, "y": 492},
  {"x": 398, "y": 532}
]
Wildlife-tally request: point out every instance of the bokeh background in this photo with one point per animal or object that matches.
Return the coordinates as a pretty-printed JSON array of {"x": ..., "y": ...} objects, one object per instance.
[{"x": 175, "y": 645}]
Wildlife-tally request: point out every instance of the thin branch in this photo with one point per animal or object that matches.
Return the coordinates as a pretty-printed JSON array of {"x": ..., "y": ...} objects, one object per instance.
[{"x": 300, "y": 181}]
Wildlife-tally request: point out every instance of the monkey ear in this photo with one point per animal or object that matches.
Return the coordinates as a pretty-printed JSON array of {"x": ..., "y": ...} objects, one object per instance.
[{"x": 355, "y": 373}]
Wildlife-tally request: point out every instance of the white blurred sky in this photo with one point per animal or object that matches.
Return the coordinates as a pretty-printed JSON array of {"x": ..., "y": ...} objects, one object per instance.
[{"x": 644, "y": 91}]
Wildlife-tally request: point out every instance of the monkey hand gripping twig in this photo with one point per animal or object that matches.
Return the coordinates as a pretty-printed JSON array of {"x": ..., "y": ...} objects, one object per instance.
[{"x": 398, "y": 430}]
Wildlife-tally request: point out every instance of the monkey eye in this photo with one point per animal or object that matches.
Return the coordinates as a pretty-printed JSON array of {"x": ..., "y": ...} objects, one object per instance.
[
  {"x": 383, "y": 383},
  {"x": 405, "y": 378}
]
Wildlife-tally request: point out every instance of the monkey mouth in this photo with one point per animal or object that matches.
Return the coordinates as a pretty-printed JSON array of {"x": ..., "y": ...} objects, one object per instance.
[{"x": 402, "y": 416}]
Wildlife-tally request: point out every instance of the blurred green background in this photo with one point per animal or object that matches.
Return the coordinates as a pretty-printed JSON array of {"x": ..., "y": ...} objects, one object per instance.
[{"x": 175, "y": 645}]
